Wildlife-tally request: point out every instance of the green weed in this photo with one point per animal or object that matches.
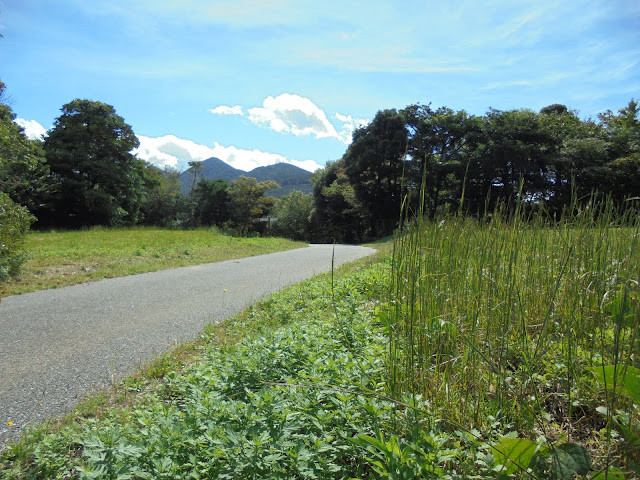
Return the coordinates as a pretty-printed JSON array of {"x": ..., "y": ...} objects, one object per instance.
[{"x": 500, "y": 326}]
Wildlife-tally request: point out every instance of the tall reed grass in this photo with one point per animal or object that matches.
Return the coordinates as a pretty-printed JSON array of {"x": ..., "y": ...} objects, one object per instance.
[{"x": 508, "y": 323}]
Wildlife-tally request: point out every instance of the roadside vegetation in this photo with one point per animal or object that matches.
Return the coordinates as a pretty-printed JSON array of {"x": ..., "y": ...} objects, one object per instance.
[
  {"x": 505, "y": 348},
  {"x": 57, "y": 259},
  {"x": 523, "y": 333}
]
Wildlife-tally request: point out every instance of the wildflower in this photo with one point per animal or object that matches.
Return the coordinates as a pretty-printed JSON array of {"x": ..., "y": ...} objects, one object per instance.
[{"x": 9, "y": 423}]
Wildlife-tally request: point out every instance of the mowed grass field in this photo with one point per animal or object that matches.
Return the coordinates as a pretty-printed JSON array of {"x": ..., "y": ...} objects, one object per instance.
[{"x": 58, "y": 259}]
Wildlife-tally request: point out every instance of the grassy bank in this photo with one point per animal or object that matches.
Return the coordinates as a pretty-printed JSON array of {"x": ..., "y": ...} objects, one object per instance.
[{"x": 67, "y": 258}]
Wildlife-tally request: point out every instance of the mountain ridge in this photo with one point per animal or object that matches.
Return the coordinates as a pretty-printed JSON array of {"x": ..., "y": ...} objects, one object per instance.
[{"x": 288, "y": 176}]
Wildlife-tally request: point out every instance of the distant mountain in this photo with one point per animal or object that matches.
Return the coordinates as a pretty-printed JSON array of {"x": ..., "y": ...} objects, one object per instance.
[
  {"x": 289, "y": 177},
  {"x": 213, "y": 169}
]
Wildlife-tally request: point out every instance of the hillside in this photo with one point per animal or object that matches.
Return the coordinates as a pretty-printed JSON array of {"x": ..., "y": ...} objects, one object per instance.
[{"x": 289, "y": 177}]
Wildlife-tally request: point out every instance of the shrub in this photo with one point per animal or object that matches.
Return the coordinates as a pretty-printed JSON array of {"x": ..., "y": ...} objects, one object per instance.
[
  {"x": 15, "y": 221},
  {"x": 293, "y": 214}
]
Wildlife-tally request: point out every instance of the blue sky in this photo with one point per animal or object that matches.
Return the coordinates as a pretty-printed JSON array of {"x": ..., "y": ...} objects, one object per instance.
[{"x": 257, "y": 82}]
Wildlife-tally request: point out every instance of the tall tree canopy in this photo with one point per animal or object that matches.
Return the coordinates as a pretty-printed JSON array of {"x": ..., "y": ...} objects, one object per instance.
[
  {"x": 211, "y": 202},
  {"x": 195, "y": 168},
  {"x": 97, "y": 180},
  {"x": 164, "y": 204},
  {"x": 444, "y": 157},
  {"x": 23, "y": 173},
  {"x": 374, "y": 163},
  {"x": 439, "y": 152},
  {"x": 293, "y": 214},
  {"x": 337, "y": 214},
  {"x": 514, "y": 158},
  {"x": 622, "y": 134}
]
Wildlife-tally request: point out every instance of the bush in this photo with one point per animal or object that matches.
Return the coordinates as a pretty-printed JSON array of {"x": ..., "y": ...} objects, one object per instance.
[
  {"x": 15, "y": 221},
  {"x": 293, "y": 214}
]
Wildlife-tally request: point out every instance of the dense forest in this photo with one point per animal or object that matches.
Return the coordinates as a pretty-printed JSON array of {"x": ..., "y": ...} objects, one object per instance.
[
  {"x": 434, "y": 161},
  {"x": 441, "y": 161}
]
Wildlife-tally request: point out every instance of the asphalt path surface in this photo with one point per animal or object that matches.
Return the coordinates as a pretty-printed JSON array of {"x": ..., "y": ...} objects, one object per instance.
[{"x": 56, "y": 346}]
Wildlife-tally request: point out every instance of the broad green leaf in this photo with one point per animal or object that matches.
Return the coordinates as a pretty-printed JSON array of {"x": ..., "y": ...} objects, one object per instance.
[
  {"x": 629, "y": 385},
  {"x": 514, "y": 453},
  {"x": 562, "y": 462},
  {"x": 573, "y": 458},
  {"x": 623, "y": 310}
]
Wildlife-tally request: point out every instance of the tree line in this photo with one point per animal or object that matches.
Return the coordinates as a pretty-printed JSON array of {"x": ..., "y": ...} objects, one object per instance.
[
  {"x": 417, "y": 159},
  {"x": 84, "y": 174},
  {"x": 440, "y": 161}
]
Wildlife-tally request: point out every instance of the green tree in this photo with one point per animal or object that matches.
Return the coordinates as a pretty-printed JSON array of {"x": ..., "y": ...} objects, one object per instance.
[
  {"x": 593, "y": 157},
  {"x": 374, "y": 164},
  {"x": 164, "y": 204},
  {"x": 98, "y": 181},
  {"x": 337, "y": 213},
  {"x": 22, "y": 175},
  {"x": 212, "y": 202},
  {"x": 555, "y": 109},
  {"x": 439, "y": 151},
  {"x": 23, "y": 172},
  {"x": 15, "y": 221},
  {"x": 577, "y": 160},
  {"x": 248, "y": 202},
  {"x": 513, "y": 148},
  {"x": 293, "y": 214},
  {"x": 622, "y": 134}
]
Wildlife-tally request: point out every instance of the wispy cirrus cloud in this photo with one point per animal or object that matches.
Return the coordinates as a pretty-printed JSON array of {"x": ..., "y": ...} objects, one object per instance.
[
  {"x": 386, "y": 59},
  {"x": 520, "y": 23},
  {"x": 237, "y": 13},
  {"x": 507, "y": 84}
]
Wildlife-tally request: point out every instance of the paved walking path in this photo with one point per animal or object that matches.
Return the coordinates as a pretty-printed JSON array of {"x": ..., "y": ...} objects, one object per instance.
[{"x": 58, "y": 345}]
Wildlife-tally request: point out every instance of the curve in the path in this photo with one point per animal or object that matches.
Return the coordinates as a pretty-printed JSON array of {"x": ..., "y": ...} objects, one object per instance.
[{"x": 58, "y": 345}]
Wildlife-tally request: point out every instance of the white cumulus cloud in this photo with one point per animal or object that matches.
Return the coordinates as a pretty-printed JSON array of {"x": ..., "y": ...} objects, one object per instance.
[
  {"x": 32, "y": 129},
  {"x": 349, "y": 124},
  {"x": 291, "y": 113},
  {"x": 226, "y": 110},
  {"x": 170, "y": 151},
  {"x": 288, "y": 113}
]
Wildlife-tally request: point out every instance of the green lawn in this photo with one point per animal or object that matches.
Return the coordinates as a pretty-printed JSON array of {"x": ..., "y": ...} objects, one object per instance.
[{"x": 66, "y": 258}]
